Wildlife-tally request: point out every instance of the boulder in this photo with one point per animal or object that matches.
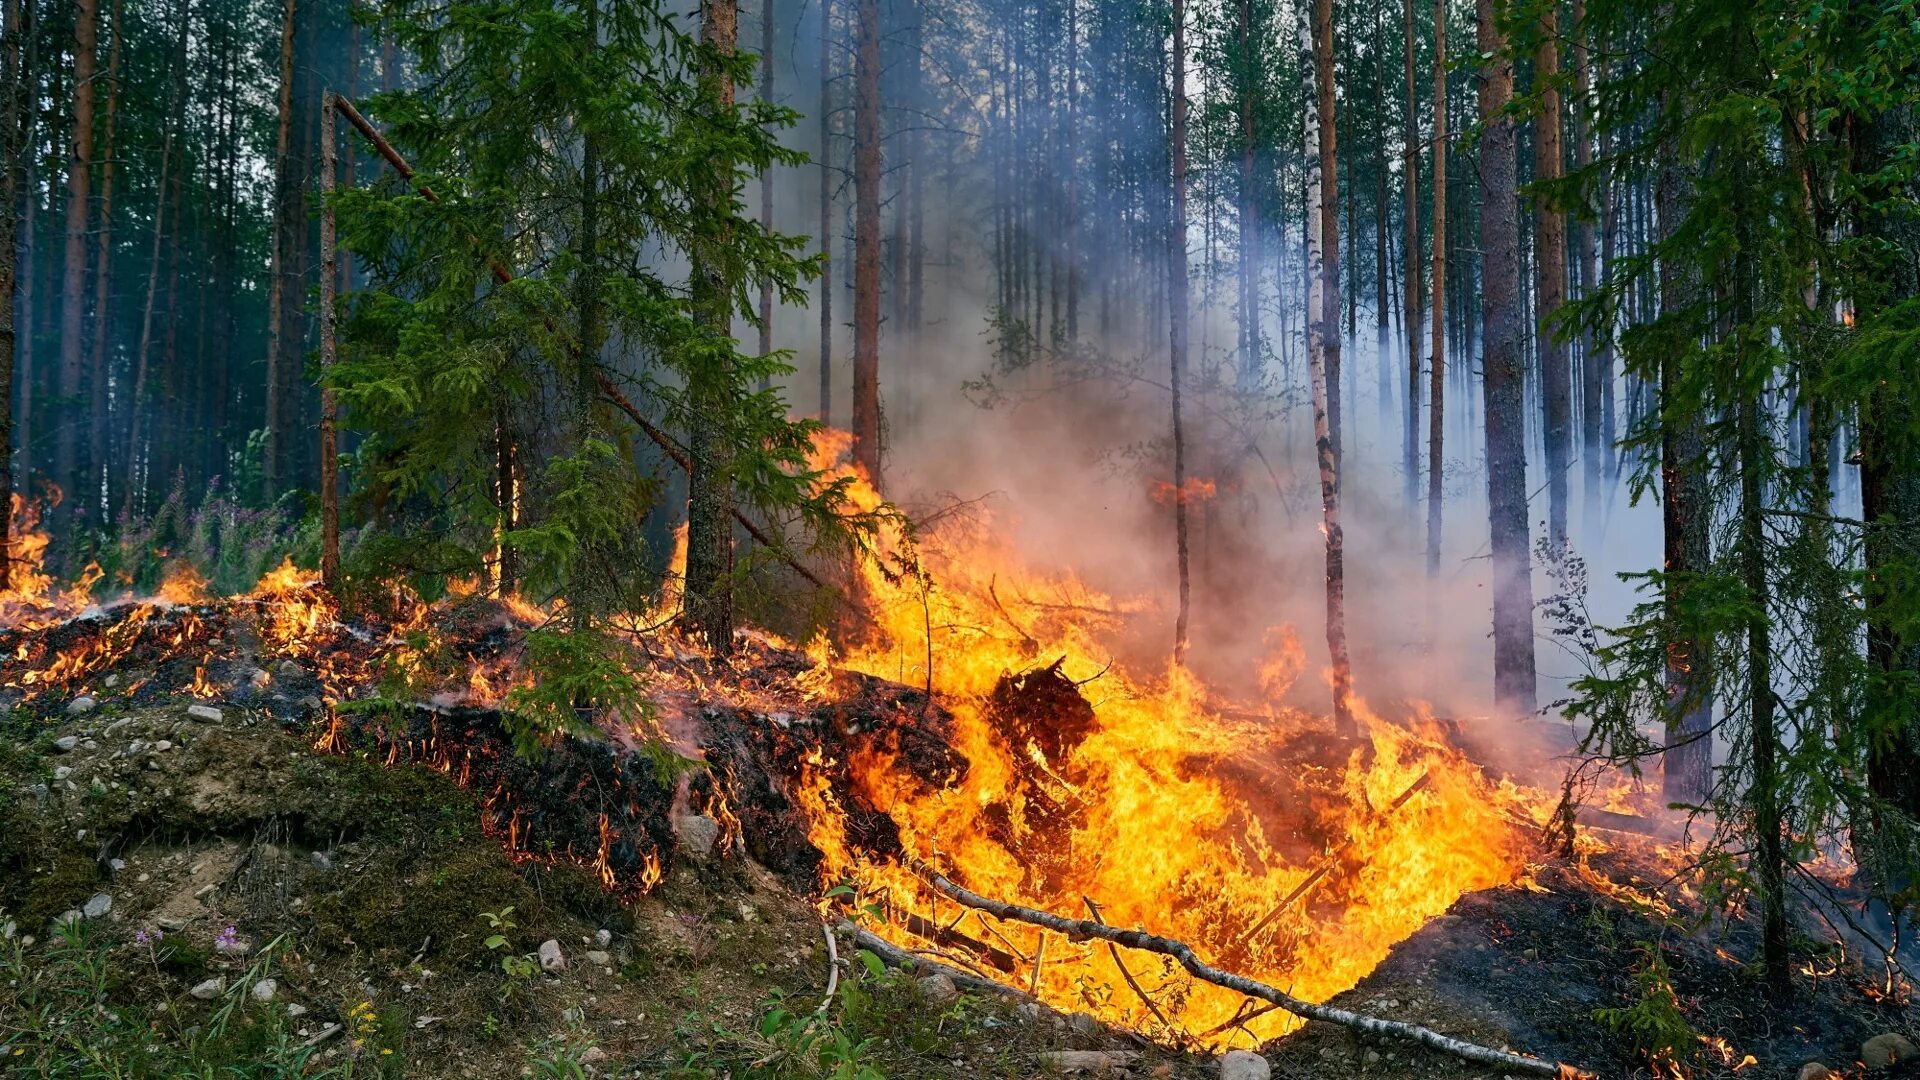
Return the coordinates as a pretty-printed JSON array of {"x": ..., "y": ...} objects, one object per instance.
[
  {"x": 205, "y": 712},
  {"x": 265, "y": 990},
  {"x": 1814, "y": 1070},
  {"x": 698, "y": 834},
  {"x": 938, "y": 989},
  {"x": 552, "y": 960},
  {"x": 1881, "y": 1051},
  {"x": 81, "y": 705},
  {"x": 65, "y": 743},
  {"x": 97, "y": 905},
  {"x": 1244, "y": 1065}
]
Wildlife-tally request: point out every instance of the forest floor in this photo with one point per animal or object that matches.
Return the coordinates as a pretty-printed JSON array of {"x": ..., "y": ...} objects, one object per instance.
[{"x": 181, "y": 893}]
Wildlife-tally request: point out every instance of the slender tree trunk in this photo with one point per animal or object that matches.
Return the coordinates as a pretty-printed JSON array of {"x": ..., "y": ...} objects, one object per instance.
[
  {"x": 1177, "y": 312},
  {"x": 1070, "y": 166},
  {"x": 1382, "y": 306},
  {"x": 73, "y": 296},
  {"x": 1504, "y": 380},
  {"x": 709, "y": 584},
  {"x": 279, "y": 363},
  {"x": 13, "y": 82},
  {"x": 1410, "y": 180},
  {"x": 1322, "y": 325},
  {"x": 100, "y": 472},
  {"x": 826, "y": 211},
  {"x": 1437, "y": 408},
  {"x": 866, "y": 230},
  {"x": 139, "y": 482},
  {"x": 766, "y": 178},
  {"x": 329, "y": 466},
  {"x": 1550, "y": 277},
  {"x": 28, "y": 155},
  {"x": 1595, "y": 370},
  {"x": 1329, "y": 241}
]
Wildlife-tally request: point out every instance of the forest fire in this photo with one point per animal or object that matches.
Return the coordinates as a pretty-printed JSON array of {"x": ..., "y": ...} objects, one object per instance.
[{"x": 1145, "y": 799}]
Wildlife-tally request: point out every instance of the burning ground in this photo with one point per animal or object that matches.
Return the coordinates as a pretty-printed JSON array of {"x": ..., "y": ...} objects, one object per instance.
[{"x": 341, "y": 789}]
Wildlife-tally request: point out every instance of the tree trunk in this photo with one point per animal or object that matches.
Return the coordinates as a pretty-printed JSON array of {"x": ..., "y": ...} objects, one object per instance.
[
  {"x": 1688, "y": 760},
  {"x": 279, "y": 363},
  {"x": 1550, "y": 278},
  {"x": 1437, "y": 410},
  {"x": 138, "y": 482},
  {"x": 100, "y": 474},
  {"x": 1177, "y": 312},
  {"x": 866, "y": 239},
  {"x": 1596, "y": 371},
  {"x": 1249, "y": 268},
  {"x": 766, "y": 179},
  {"x": 73, "y": 296},
  {"x": 1322, "y": 324},
  {"x": 1329, "y": 269},
  {"x": 708, "y": 597},
  {"x": 1504, "y": 379},
  {"x": 1410, "y": 179},
  {"x": 329, "y": 468},
  {"x": 13, "y": 82},
  {"x": 826, "y": 211}
]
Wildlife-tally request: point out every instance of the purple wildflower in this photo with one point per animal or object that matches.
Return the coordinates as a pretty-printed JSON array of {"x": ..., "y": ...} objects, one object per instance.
[{"x": 226, "y": 939}]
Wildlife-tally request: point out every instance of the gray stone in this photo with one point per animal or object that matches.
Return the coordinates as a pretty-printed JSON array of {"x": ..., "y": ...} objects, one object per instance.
[
  {"x": 61, "y": 772},
  {"x": 938, "y": 989},
  {"x": 210, "y": 989},
  {"x": 1244, "y": 1065},
  {"x": 296, "y": 1010},
  {"x": 603, "y": 937},
  {"x": 1881, "y": 1051},
  {"x": 1088, "y": 1061},
  {"x": 551, "y": 958},
  {"x": 162, "y": 746},
  {"x": 66, "y": 743},
  {"x": 1814, "y": 1070},
  {"x": 265, "y": 990},
  {"x": 598, "y": 958},
  {"x": 321, "y": 861},
  {"x": 593, "y": 1055},
  {"x": 205, "y": 712},
  {"x": 1083, "y": 1024},
  {"x": 81, "y": 705},
  {"x": 698, "y": 834},
  {"x": 97, "y": 905}
]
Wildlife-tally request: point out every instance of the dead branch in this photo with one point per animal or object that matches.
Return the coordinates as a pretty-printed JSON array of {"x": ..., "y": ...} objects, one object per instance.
[
  {"x": 1032, "y": 645},
  {"x": 1114, "y": 951},
  {"x": 894, "y": 956},
  {"x": 1082, "y": 929},
  {"x": 833, "y": 967}
]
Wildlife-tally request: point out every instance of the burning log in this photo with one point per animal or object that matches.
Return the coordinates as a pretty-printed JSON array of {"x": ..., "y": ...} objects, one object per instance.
[{"x": 1082, "y": 929}]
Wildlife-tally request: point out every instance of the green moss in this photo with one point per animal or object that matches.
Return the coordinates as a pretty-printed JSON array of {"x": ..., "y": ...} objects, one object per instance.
[
  {"x": 389, "y": 910},
  {"x": 66, "y": 883}
]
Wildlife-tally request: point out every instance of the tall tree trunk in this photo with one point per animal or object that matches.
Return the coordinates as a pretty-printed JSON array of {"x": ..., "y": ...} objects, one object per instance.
[
  {"x": 14, "y": 80},
  {"x": 1329, "y": 270},
  {"x": 1688, "y": 761},
  {"x": 139, "y": 482},
  {"x": 766, "y": 178},
  {"x": 1550, "y": 276},
  {"x": 1323, "y": 324},
  {"x": 1437, "y": 409},
  {"x": 1177, "y": 312},
  {"x": 100, "y": 472},
  {"x": 709, "y": 585},
  {"x": 1382, "y": 307},
  {"x": 279, "y": 362},
  {"x": 1249, "y": 268},
  {"x": 329, "y": 466},
  {"x": 73, "y": 295},
  {"x": 866, "y": 239},
  {"x": 1596, "y": 371},
  {"x": 1070, "y": 166},
  {"x": 826, "y": 211},
  {"x": 1410, "y": 213},
  {"x": 1504, "y": 378},
  {"x": 28, "y": 154}
]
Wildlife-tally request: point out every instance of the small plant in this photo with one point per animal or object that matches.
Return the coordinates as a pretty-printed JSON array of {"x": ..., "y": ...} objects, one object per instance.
[
  {"x": 520, "y": 968},
  {"x": 1653, "y": 1021}
]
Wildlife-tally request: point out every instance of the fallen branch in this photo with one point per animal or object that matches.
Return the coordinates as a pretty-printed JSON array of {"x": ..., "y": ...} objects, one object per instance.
[
  {"x": 833, "y": 967},
  {"x": 1082, "y": 929},
  {"x": 1114, "y": 951},
  {"x": 894, "y": 956}
]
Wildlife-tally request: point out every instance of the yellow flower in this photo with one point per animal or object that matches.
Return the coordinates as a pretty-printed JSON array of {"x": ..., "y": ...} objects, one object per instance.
[{"x": 387, "y": 1052}]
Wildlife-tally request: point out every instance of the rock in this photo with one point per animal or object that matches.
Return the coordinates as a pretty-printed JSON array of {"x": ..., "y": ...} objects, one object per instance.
[
  {"x": 171, "y": 923},
  {"x": 598, "y": 958},
  {"x": 320, "y": 861},
  {"x": 1881, "y": 1051},
  {"x": 1088, "y": 1061},
  {"x": 603, "y": 937},
  {"x": 97, "y": 905},
  {"x": 162, "y": 746},
  {"x": 698, "y": 834},
  {"x": 938, "y": 989},
  {"x": 1030, "y": 1011},
  {"x": 1083, "y": 1024},
  {"x": 1244, "y": 1065},
  {"x": 116, "y": 865},
  {"x": 65, "y": 743},
  {"x": 1814, "y": 1070},
  {"x": 61, "y": 772},
  {"x": 264, "y": 990},
  {"x": 296, "y": 1010},
  {"x": 551, "y": 958},
  {"x": 205, "y": 712},
  {"x": 111, "y": 681},
  {"x": 210, "y": 989},
  {"x": 81, "y": 705},
  {"x": 593, "y": 1055}
]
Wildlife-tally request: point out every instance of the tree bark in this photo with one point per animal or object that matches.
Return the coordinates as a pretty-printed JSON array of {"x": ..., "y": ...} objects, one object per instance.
[
  {"x": 101, "y": 476},
  {"x": 1249, "y": 268},
  {"x": 138, "y": 482},
  {"x": 1503, "y": 385},
  {"x": 866, "y": 239},
  {"x": 1596, "y": 372},
  {"x": 329, "y": 468},
  {"x": 13, "y": 82},
  {"x": 1329, "y": 269},
  {"x": 279, "y": 364},
  {"x": 826, "y": 211},
  {"x": 1550, "y": 277},
  {"x": 73, "y": 297},
  {"x": 1437, "y": 411},
  {"x": 1410, "y": 257},
  {"x": 708, "y": 599},
  {"x": 1177, "y": 312},
  {"x": 1322, "y": 324},
  {"x": 766, "y": 178}
]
